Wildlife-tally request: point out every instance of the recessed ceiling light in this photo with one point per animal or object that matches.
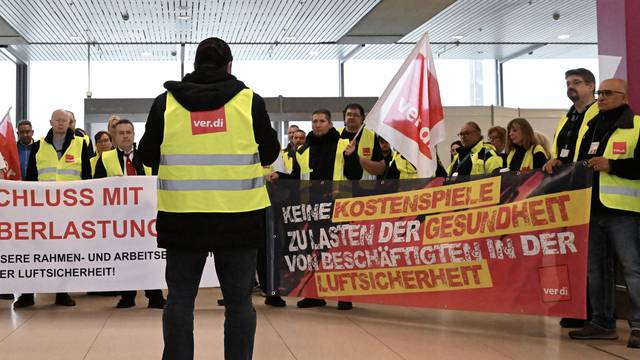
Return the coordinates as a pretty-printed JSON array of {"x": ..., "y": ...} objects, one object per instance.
[
  {"x": 457, "y": 37},
  {"x": 564, "y": 36},
  {"x": 183, "y": 17},
  {"x": 146, "y": 53},
  {"x": 314, "y": 53}
]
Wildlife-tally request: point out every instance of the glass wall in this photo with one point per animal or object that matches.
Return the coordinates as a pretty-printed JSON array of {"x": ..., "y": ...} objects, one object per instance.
[
  {"x": 540, "y": 83},
  {"x": 53, "y": 85},
  {"x": 462, "y": 82},
  {"x": 8, "y": 88}
]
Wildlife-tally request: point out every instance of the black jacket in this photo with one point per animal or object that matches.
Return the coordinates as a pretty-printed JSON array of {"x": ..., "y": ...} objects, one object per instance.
[
  {"x": 32, "y": 166},
  {"x": 600, "y": 130},
  {"x": 208, "y": 88}
]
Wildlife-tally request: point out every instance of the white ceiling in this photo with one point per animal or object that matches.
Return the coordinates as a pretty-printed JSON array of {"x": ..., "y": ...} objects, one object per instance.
[{"x": 297, "y": 29}]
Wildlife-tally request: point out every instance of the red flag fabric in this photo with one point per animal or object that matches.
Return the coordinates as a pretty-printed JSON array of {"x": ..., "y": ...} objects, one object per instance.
[
  {"x": 9, "y": 160},
  {"x": 409, "y": 113}
]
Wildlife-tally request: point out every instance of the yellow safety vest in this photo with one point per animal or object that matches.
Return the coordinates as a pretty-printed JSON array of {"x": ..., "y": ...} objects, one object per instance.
[
  {"x": 93, "y": 161},
  {"x": 478, "y": 165},
  {"x": 591, "y": 112},
  {"x": 527, "y": 161},
  {"x": 67, "y": 168},
  {"x": 406, "y": 169},
  {"x": 616, "y": 192},
  {"x": 287, "y": 161},
  {"x": 338, "y": 164},
  {"x": 210, "y": 162},
  {"x": 365, "y": 149},
  {"x": 112, "y": 165}
]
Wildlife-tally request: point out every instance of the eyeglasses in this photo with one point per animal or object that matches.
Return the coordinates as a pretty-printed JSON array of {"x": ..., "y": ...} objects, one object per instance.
[
  {"x": 608, "y": 93},
  {"x": 575, "y": 82},
  {"x": 465, "y": 133}
]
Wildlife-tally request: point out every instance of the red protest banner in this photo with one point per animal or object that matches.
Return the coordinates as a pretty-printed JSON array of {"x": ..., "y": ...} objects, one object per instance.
[{"x": 513, "y": 243}]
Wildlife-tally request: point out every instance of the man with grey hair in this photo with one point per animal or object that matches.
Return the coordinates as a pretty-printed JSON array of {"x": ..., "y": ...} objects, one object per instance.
[
  {"x": 59, "y": 156},
  {"x": 612, "y": 151}
]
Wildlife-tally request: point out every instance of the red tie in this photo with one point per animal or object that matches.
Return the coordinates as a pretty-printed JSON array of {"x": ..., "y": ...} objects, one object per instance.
[{"x": 131, "y": 170}]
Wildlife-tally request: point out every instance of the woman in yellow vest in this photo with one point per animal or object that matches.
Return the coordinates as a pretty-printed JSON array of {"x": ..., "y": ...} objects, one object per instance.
[
  {"x": 524, "y": 151},
  {"x": 104, "y": 142}
]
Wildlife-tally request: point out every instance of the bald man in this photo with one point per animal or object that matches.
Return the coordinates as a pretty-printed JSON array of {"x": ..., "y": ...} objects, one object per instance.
[
  {"x": 610, "y": 148},
  {"x": 59, "y": 156}
]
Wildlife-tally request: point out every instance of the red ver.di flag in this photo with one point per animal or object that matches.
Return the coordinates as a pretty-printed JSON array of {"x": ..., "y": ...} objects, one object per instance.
[
  {"x": 9, "y": 161},
  {"x": 409, "y": 113}
]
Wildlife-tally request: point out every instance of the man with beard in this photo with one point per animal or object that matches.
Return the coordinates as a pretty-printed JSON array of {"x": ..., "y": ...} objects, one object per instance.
[
  {"x": 611, "y": 150},
  {"x": 581, "y": 85}
]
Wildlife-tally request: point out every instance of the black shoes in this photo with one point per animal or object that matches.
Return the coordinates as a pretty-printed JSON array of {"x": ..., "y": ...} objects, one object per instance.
[
  {"x": 25, "y": 300},
  {"x": 634, "y": 339},
  {"x": 345, "y": 305},
  {"x": 126, "y": 303},
  {"x": 593, "y": 332},
  {"x": 63, "y": 299},
  {"x": 275, "y": 300},
  {"x": 571, "y": 323},
  {"x": 309, "y": 303},
  {"x": 157, "y": 303},
  {"x": 6, "y": 297}
]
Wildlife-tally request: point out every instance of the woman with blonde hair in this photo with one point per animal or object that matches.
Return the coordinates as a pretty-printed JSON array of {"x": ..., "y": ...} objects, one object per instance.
[
  {"x": 523, "y": 148},
  {"x": 543, "y": 140}
]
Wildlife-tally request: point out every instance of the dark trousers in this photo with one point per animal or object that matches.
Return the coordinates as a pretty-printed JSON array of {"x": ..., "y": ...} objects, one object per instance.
[
  {"x": 236, "y": 271},
  {"x": 150, "y": 294}
]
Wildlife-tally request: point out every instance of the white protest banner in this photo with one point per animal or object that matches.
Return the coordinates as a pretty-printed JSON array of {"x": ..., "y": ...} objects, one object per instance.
[{"x": 91, "y": 235}]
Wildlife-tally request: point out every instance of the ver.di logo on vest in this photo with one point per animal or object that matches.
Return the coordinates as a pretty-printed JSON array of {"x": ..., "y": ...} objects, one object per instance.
[{"x": 206, "y": 122}]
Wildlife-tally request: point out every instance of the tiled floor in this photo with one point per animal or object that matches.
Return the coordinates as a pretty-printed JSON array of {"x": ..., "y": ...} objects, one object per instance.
[{"x": 95, "y": 330}]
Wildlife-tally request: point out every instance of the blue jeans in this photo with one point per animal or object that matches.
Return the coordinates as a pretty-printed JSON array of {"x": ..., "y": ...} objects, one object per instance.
[
  {"x": 613, "y": 235},
  {"x": 236, "y": 271}
]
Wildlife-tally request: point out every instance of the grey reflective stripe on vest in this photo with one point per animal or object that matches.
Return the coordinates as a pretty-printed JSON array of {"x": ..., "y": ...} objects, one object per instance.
[
  {"x": 48, "y": 170},
  {"x": 207, "y": 159},
  {"x": 52, "y": 170},
  {"x": 618, "y": 190},
  {"x": 204, "y": 185}
]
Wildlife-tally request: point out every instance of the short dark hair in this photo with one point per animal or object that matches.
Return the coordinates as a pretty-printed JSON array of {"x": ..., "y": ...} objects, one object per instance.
[
  {"x": 502, "y": 132},
  {"x": 302, "y": 131},
  {"x": 325, "y": 112},
  {"x": 585, "y": 74},
  {"x": 124, "y": 121},
  {"x": 213, "y": 51},
  {"x": 352, "y": 106},
  {"x": 24, "y": 122},
  {"x": 99, "y": 134}
]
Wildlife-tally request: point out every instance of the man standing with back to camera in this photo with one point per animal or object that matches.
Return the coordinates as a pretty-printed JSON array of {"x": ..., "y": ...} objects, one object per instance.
[{"x": 210, "y": 135}]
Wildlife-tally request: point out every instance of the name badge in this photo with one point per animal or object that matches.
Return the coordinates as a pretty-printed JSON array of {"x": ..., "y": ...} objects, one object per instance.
[
  {"x": 564, "y": 153},
  {"x": 594, "y": 147}
]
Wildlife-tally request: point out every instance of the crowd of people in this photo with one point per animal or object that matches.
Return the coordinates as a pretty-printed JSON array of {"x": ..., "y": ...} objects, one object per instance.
[
  {"x": 195, "y": 218},
  {"x": 602, "y": 133},
  {"x": 66, "y": 153}
]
